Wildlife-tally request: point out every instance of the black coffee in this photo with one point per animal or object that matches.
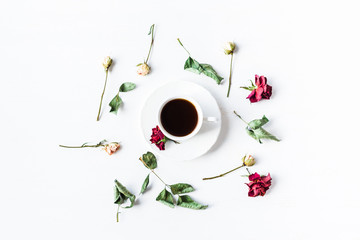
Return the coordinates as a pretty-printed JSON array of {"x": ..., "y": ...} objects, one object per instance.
[{"x": 179, "y": 117}]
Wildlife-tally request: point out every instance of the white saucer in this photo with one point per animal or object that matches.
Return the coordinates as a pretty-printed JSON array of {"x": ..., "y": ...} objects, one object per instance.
[{"x": 203, "y": 140}]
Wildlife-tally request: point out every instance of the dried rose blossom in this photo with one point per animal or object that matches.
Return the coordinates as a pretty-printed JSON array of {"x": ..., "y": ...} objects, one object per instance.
[
  {"x": 143, "y": 69},
  {"x": 261, "y": 90},
  {"x": 258, "y": 184},
  {"x": 158, "y": 138}
]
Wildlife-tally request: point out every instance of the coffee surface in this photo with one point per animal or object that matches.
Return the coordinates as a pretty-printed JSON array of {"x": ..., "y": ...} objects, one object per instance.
[{"x": 179, "y": 117}]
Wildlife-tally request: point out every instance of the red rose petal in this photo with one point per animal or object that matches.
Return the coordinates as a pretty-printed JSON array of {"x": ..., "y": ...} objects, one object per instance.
[
  {"x": 254, "y": 176},
  {"x": 259, "y": 92}
]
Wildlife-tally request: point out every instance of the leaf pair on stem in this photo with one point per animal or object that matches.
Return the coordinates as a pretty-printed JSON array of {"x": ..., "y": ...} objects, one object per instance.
[
  {"x": 122, "y": 195},
  {"x": 117, "y": 101},
  {"x": 167, "y": 197}
]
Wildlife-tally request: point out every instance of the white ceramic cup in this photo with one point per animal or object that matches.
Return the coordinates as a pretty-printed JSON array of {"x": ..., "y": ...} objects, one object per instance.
[{"x": 201, "y": 119}]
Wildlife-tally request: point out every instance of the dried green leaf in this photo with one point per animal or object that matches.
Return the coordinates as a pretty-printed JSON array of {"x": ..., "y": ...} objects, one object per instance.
[
  {"x": 127, "y": 86},
  {"x": 122, "y": 194},
  {"x": 194, "y": 66},
  {"x": 180, "y": 188},
  {"x": 165, "y": 197},
  {"x": 262, "y": 133},
  {"x": 210, "y": 72},
  {"x": 145, "y": 184},
  {"x": 187, "y": 202},
  {"x": 119, "y": 198},
  {"x": 254, "y": 124},
  {"x": 115, "y": 104},
  {"x": 150, "y": 160}
]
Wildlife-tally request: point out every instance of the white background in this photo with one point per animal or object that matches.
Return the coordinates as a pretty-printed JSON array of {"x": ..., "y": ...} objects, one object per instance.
[{"x": 52, "y": 78}]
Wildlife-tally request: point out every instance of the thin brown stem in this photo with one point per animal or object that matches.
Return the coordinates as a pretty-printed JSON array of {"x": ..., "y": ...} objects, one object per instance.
[
  {"x": 80, "y": 146},
  {"x": 117, "y": 213},
  {"x": 241, "y": 118},
  {"x": 223, "y": 174},
  {"x": 152, "y": 170},
  {"x": 152, "y": 41},
  {"x": 228, "y": 93},
  {"x": 183, "y": 46},
  {"x": 102, "y": 95}
]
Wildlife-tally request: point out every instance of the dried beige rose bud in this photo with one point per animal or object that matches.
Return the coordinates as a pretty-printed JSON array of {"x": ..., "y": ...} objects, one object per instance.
[
  {"x": 111, "y": 148},
  {"x": 229, "y": 48},
  {"x": 143, "y": 69},
  {"x": 107, "y": 63}
]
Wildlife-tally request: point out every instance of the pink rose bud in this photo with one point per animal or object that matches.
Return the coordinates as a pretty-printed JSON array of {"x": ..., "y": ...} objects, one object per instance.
[
  {"x": 111, "y": 148},
  {"x": 143, "y": 69},
  {"x": 248, "y": 160}
]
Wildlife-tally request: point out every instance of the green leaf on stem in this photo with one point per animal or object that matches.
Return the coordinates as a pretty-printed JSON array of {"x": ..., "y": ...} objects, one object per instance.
[
  {"x": 166, "y": 198},
  {"x": 255, "y": 130},
  {"x": 150, "y": 160},
  {"x": 187, "y": 202},
  {"x": 121, "y": 194},
  {"x": 194, "y": 66},
  {"x": 115, "y": 104},
  {"x": 127, "y": 86},
  {"x": 145, "y": 184},
  {"x": 180, "y": 188}
]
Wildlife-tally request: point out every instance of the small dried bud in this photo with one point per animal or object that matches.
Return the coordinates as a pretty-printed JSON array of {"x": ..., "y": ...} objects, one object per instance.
[
  {"x": 107, "y": 63},
  {"x": 111, "y": 148},
  {"x": 143, "y": 69},
  {"x": 229, "y": 48},
  {"x": 248, "y": 160}
]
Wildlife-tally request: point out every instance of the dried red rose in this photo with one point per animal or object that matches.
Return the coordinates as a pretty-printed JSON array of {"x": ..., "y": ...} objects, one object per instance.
[
  {"x": 261, "y": 90},
  {"x": 258, "y": 184},
  {"x": 161, "y": 145},
  {"x": 158, "y": 138}
]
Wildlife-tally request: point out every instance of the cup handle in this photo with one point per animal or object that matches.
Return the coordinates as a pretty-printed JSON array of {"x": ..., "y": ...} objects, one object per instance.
[{"x": 210, "y": 119}]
